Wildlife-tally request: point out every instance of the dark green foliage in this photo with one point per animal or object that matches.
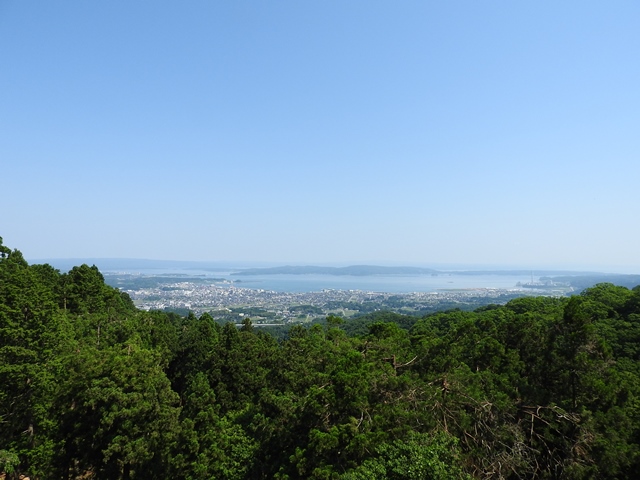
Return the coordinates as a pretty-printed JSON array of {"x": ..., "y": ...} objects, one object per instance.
[
  {"x": 91, "y": 388},
  {"x": 118, "y": 414},
  {"x": 32, "y": 338},
  {"x": 84, "y": 291},
  {"x": 359, "y": 325},
  {"x": 435, "y": 457},
  {"x": 209, "y": 445}
]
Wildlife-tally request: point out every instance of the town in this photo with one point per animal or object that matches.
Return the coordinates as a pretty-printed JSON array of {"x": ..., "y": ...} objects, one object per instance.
[{"x": 228, "y": 302}]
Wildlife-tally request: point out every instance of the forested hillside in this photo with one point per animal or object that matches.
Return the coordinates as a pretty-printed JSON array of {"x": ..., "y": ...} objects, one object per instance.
[{"x": 92, "y": 388}]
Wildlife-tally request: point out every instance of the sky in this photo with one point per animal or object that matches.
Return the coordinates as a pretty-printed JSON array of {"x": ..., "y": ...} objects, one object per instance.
[{"x": 414, "y": 132}]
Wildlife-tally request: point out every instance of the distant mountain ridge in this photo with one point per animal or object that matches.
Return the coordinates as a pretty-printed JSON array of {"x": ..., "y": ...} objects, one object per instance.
[
  {"x": 370, "y": 270},
  {"x": 355, "y": 270},
  {"x": 240, "y": 268}
]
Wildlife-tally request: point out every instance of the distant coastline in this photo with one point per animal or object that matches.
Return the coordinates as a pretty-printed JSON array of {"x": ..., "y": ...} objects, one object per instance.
[
  {"x": 354, "y": 270},
  {"x": 367, "y": 270},
  {"x": 578, "y": 279}
]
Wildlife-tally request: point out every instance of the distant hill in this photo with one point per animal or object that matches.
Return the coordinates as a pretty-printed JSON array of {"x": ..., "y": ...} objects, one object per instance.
[
  {"x": 355, "y": 270},
  {"x": 580, "y": 282},
  {"x": 369, "y": 270}
]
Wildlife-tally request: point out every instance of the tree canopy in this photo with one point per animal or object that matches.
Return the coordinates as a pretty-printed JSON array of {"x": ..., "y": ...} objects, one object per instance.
[{"x": 92, "y": 388}]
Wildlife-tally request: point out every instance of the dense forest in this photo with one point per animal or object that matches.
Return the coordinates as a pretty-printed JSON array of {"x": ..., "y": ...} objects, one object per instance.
[{"x": 92, "y": 388}]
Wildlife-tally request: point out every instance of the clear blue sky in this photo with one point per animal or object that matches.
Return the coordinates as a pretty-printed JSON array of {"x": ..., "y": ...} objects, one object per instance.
[{"x": 412, "y": 132}]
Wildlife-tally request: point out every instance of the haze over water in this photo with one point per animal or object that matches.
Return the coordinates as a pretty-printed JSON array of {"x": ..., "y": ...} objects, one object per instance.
[
  {"x": 374, "y": 283},
  {"x": 391, "y": 284}
]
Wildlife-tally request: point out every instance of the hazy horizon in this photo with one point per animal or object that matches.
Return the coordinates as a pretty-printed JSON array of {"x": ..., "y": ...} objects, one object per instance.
[
  {"x": 332, "y": 133},
  {"x": 114, "y": 263}
]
